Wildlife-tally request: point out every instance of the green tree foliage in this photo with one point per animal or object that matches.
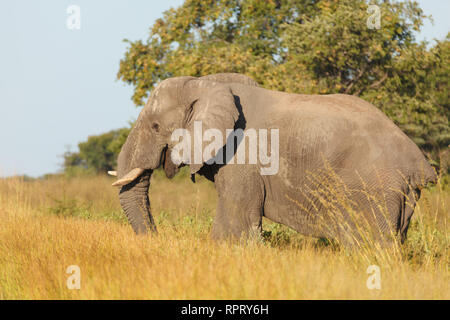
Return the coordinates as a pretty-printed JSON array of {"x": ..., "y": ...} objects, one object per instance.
[
  {"x": 302, "y": 46},
  {"x": 209, "y": 36},
  {"x": 98, "y": 154},
  {"x": 305, "y": 46},
  {"x": 339, "y": 54}
]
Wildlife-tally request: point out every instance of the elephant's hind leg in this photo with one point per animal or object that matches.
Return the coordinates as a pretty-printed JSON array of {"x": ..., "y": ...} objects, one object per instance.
[{"x": 407, "y": 211}]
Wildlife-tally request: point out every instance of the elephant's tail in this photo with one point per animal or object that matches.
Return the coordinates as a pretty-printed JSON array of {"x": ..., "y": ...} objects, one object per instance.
[{"x": 417, "y": 181}]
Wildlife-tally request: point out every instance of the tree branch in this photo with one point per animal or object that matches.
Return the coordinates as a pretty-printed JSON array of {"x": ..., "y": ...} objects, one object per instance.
[
  {"x": 376, "y": 84},
  {"x": 360, "y": 74}
]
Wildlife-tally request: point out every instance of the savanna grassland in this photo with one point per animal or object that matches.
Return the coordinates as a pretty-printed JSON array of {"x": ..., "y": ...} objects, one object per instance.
[{"x": 49, "y": 224}]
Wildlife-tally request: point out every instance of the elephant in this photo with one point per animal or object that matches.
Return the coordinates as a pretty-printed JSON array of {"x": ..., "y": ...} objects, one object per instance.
[{"x": 343, "y": 165}]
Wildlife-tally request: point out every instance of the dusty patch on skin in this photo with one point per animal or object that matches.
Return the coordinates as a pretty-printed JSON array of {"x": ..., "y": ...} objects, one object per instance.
[
  {"x": 155, "y": 104},
  {"x": 284, "y": 172}
]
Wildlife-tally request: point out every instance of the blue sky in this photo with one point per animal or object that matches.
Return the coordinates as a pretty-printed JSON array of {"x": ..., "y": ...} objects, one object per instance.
[{"x": 58, "y": 86}]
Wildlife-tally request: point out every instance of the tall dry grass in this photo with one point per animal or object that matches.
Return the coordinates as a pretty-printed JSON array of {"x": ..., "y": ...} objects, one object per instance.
[{"x": 47, "y": 225}]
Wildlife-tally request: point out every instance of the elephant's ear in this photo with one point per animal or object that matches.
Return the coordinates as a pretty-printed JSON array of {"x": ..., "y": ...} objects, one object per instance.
[{"x": 214, "y": 108}]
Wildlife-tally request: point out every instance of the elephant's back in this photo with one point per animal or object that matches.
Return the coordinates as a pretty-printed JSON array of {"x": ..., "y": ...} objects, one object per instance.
[
  {"x": 394, "y": 149},
  {"x": 351, "y": 134}
]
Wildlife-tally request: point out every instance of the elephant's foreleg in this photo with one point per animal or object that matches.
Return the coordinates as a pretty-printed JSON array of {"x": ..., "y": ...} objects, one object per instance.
[
  {"x": 240, "y": 208},
  {"x": 236, "y": 221}
]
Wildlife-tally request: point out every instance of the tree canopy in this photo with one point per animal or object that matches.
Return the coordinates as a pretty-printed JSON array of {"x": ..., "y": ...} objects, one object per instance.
[
  {"x": 306, "y": 46},
  {"x": 97, "y": 154}
]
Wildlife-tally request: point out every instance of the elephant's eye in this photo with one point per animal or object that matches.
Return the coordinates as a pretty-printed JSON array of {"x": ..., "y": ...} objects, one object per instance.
[{"x": 155, "y": 126}]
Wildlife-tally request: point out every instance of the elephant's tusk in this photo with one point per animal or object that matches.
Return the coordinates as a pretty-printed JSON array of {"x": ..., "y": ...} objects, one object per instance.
[
  {"x": 129, "y": 177},
  {"x": 112, "y": 173}
]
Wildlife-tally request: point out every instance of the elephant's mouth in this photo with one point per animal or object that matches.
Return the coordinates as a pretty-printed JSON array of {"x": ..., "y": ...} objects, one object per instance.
[
  {"x": 169, "y": 167},
  {"x": 163, "y": 156},
  {"x": 165, "y": 161}
]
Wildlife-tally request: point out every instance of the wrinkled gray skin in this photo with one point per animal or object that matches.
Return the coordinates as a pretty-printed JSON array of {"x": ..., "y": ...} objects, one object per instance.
[{"x": 364, "y": 148}]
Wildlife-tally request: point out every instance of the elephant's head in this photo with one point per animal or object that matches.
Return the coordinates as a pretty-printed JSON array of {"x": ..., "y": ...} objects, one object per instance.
[{"x": 174, "y": 103}]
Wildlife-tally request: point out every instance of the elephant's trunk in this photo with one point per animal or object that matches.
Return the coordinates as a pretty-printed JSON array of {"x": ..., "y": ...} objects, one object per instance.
[{"x": 136, "y": 204}]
